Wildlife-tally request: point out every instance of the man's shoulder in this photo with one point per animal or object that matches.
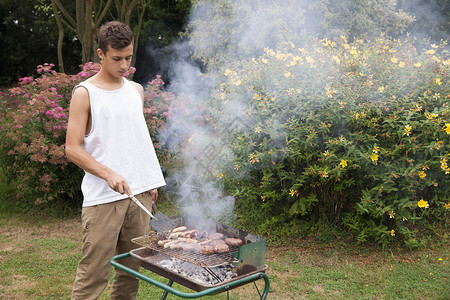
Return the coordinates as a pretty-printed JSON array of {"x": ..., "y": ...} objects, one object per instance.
[{"x": 138, "y": 86}]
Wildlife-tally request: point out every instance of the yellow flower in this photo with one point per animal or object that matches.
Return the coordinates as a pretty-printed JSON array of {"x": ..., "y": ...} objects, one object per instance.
[
  {"x": 253, "y": 158},
  {"x": 237, "y": 83},
  {"x": 393, "y": 232},
  {"x": 394, "y": 59},
  {"x": 437, "y": 81},
  {"x": 258, "y": 129},
  {"x": 264, "y": 60},
  {"x": 391, "y": 214},
  {"x": 220, "y": 175},
  {"x": 329, "y": 92},
  {"x": 381, "y": 89},
  {"x": 190, "y": 139},
  {"x": 401, "y": 64},
  {"x": 447, "y": 128},
  {"x": 447, "y": 205},
  {"x": 423, "y": 204},
  {"x": 430, "y": 116},
  {"x": 343, "y": 163},
  {"x": 431, "y": 52},
  {"x": 270, "y": 151},
  {"x": 269, "y": 51},
  {"x": 228, "y": 72},
  {"x": 287, "y": 74},
  {"x": 263, "y": 198},
  {"x": 417, "y": 65},
  {"x": 309, "y": 60},
  {"x": 422, "y": 174},
  {"x": 374, "y": 157},
  {"x": 336, "y": 59},
  {"x": 407, "y": 130},
  {"x": 444, "y": 165},
  {"x": 292, "y": 192},
  {"x": 376, "y": 149},
  {"x": 236, "y": 167},
  {"x": 281, "y": 56},
  {"x": 326, "y": 153}
]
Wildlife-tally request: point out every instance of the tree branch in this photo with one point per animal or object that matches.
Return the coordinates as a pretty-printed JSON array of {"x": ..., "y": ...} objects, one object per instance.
[{"x": 65, "y": 13}]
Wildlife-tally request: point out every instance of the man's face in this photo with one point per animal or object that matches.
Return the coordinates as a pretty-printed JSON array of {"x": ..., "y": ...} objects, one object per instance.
[{"x": 117, "y": 62}]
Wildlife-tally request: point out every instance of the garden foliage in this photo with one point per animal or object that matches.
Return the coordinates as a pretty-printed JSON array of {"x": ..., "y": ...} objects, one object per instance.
[
  {"x": 33, "y": 131},
  {"x": 355, "y": 134}
]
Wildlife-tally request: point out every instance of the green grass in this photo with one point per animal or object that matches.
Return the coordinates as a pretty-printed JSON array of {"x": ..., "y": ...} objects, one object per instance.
[{"x": 38, "y": 260}]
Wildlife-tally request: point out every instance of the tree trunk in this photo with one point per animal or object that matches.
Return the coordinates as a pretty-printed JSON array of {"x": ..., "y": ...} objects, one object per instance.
[
  {"x": 89, "y": 17},
  {"x": 140, "y": 11},
  {"x": 60, "y": 37}
]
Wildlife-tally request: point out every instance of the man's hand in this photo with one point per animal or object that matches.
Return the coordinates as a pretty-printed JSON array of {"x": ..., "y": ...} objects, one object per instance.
[
  {"x": 154, "y": 194},
  {"x": 118, "y": 184}
]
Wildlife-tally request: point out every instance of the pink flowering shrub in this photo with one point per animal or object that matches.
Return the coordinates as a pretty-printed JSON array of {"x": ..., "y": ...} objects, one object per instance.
[
  {"x": 33, "y": 134},
  {"x": 156, "y": 109}
]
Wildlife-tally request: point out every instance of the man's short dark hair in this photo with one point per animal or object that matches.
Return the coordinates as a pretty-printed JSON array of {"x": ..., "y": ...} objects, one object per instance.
[{"x": 115, "y": 34}]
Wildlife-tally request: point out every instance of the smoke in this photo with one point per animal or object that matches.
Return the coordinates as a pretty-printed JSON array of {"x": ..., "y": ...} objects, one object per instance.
[{"x": 223, "y": 33}]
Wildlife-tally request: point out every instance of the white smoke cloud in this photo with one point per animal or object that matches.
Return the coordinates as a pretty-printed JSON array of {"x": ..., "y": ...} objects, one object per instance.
[{"x": 223, "y": 32}]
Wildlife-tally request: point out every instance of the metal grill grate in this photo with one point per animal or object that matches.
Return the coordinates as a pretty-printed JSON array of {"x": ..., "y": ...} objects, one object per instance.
[{"x": 202, "y": 260}]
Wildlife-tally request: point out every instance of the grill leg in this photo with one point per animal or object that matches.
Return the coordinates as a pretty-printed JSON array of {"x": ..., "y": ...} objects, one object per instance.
[{"x": 164, "y": 296}]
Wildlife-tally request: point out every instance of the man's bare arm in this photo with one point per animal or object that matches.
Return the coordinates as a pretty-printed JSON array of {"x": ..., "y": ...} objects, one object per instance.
[{"x": 76, "y": 129}]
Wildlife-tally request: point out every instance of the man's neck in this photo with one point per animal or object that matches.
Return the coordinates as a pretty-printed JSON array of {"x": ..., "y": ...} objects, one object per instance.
[{"x": 105, "y": 81}]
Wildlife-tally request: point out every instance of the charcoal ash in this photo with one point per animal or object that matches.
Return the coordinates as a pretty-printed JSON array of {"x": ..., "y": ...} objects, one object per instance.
[{"x": 197, "y": 273}]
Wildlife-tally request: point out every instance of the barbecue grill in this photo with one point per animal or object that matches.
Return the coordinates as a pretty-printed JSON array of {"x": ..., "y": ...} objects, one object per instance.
[{"x": 207, "y": 274}]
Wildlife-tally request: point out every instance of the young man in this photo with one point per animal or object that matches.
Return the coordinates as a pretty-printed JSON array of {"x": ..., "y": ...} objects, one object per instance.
[{"x": 107, "y": 136}]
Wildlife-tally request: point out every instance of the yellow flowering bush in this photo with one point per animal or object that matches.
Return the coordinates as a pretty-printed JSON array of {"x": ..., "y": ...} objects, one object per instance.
[{"x": 336, "y": 132}]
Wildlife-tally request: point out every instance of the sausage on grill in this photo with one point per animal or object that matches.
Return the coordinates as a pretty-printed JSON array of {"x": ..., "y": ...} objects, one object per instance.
[{"x": 216, "y": 236}]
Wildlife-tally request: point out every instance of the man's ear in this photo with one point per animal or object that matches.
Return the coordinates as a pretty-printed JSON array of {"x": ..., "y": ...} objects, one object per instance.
[{"x": 100, "y": 53}]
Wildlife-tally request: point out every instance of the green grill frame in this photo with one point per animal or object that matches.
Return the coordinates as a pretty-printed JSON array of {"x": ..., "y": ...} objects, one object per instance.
[{"x": 169, "y": 289}]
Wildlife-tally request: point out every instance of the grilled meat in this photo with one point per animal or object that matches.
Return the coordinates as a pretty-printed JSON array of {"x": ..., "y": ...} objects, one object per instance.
[{"x": 233, "y": 242}]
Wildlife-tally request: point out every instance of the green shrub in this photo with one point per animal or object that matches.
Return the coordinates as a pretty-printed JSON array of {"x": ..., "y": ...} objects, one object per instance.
[
  {"x": 33, "y": 135},
  {"x": 355, "y": 134}
]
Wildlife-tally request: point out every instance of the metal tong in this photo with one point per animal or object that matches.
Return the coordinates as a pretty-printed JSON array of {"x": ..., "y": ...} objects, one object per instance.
[{"x": 142, "y": 206}]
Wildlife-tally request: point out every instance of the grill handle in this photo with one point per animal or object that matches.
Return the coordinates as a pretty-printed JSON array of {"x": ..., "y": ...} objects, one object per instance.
[{"x": 170, "y": 289}]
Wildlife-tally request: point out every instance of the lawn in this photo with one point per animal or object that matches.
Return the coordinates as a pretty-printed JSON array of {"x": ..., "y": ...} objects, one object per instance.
[{"x": 38, "y": 259}]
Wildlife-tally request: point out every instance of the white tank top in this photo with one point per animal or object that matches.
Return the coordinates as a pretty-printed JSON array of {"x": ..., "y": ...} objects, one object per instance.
[{"x": 119, "y": 139}]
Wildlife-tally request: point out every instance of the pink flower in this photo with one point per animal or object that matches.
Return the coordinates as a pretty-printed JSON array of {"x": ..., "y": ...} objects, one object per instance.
[{"x": 49, "y": 113}]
